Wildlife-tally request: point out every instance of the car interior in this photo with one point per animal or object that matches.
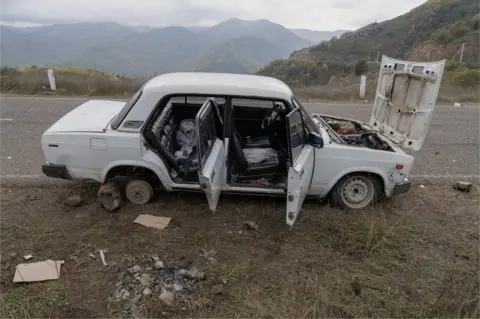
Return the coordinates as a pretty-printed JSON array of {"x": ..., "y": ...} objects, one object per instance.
[{"x": 258, "y": 153}]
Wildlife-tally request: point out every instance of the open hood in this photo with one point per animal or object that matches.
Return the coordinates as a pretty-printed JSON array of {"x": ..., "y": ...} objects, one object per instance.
[{"x": 405, "y": 99}]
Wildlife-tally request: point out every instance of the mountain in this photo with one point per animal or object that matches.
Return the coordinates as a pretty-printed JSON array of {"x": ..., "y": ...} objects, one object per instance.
[
  {"x": 50, "y": 44},
  {"x": 396, "y": 37},
  {"x": 234, "y": 45},
  {"x": 239, "y": 55},
  {"x": 434, "y": 30},
  {"x": 317, "y": 36},
  {"x": 264, "y": 29}
]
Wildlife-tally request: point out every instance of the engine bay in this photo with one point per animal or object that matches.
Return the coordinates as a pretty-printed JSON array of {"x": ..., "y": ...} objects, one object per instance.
[{"x": 355, "y": 135}]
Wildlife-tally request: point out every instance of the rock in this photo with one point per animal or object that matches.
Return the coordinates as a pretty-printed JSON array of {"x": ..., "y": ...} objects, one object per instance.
[
  {"x": 135, "y": 268},
  {"x": 195, "y": 273},
  {"x": 422, "y": 186},
  {"x": 251, "y": 224},
  {"x": 159, "y": 264},
  {"x": 146, "y": 280},
  {"x": 73, "y": 200},
  {"x": 240, "y": 232},
  {"x": 177, "y": 287},
  {"x": 155, "y": 258},
  {"x": 182, "y": 272},
  {"x": 217, "y": 289},
  {"x": 147, "y": 292},
  {"x": 119, "y": 283},
  {"x": 167, "y": 297},
  {"x": 462, "y": 186},
  {"x": 125, "y": 294}
]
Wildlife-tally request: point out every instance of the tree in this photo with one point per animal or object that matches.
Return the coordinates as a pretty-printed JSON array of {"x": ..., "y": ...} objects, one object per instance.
[
  {"x": 467, "y": 78},
  {"x": 361, "y": 67}
]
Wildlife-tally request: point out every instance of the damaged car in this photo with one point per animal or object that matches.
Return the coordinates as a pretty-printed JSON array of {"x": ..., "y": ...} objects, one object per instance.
[{"x": 245, "y": 134}]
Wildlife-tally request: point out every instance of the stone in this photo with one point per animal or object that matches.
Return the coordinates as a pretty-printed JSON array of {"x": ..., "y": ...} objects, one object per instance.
[
  {"x": 251, "y": 224},
  {"x": 135, "y": 268},
  {"x": 240, "y": 232},
  {"x": 195, "y": 273},
  {"x": 125, "y": 294},
  {"x": 73, "y": 200},
  {"x": 146, "y": 280},
  {"x": 155, "y": 258},
  {"x": 167, "y": 297},
  {"x": 217, "y": 289},
  {"x": 159, "y": 264},
  {"x": 177, "y": 287},
  {"x": 147, "y": 292},
  {"x": 463, "y": 186}
]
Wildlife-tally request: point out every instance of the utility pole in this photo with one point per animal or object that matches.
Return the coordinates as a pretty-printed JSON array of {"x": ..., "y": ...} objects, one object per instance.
[
  {"x": 461, "y": 54},
  {"x": 378, "y": 55}
]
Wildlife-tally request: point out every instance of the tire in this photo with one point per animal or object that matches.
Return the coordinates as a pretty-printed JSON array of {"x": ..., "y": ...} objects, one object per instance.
[
  {"x": 138, "y": 192},
  {"x": 356, "y": 191}
]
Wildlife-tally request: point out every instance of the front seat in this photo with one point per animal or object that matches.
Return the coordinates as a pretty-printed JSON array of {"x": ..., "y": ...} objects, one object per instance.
[
  {"x": 269, "y": 166},
  {"x": 256, "y": 142}
]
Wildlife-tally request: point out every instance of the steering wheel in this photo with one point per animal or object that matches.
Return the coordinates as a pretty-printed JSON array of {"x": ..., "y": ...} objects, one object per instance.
[{"x": 271, "y": 116}]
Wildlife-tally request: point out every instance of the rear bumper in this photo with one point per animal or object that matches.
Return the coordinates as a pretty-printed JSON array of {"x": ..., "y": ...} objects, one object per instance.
[
  {"x": 402, "y": 187},
  {"x": 56, "y": 171}
]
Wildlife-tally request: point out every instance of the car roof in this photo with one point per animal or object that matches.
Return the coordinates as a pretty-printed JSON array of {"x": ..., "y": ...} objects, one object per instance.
[{"x": 218, "y": 83}]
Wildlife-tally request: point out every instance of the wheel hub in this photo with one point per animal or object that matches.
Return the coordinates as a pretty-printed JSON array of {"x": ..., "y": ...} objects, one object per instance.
[{"x": 357, "y": 192}]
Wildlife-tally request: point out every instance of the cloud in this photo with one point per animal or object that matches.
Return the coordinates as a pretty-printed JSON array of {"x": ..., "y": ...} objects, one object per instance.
[{"x": 312, "y": 14}]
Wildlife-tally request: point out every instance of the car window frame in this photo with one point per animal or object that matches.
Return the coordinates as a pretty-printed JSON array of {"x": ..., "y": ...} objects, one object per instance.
[{"x": 122, "y": 115}]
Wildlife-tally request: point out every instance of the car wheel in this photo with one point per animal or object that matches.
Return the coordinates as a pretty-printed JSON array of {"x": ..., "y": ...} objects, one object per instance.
[
  {"x": 356, "y": 191},
  {"x": 138, "y": 192}
]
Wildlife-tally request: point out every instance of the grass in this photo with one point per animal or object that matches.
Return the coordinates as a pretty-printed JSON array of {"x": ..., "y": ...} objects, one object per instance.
[{"x": 413, "y": 256}]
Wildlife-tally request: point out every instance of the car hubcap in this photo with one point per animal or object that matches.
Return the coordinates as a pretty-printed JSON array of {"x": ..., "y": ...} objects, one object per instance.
[
  {"x": 357, "y": 192},
  {"x": 138, "y": 192}
]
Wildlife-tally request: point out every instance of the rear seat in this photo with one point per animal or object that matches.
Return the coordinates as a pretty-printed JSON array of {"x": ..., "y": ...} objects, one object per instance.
[{"x": 162, "y": 134}]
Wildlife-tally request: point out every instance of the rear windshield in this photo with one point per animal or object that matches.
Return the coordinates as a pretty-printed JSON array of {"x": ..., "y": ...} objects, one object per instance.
[{"x": 124, "y": 111}]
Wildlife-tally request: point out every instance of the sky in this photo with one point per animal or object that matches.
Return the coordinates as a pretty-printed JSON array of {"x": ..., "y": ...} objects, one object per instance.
[{"x": 309, "y": 14}]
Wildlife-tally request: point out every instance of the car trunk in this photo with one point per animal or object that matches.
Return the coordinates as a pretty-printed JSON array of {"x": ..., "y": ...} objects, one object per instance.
[{"x": 91, "y": 116}]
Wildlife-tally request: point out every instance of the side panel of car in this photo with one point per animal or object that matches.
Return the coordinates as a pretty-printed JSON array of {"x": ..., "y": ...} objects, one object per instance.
[{"x": 335, "y": 161}]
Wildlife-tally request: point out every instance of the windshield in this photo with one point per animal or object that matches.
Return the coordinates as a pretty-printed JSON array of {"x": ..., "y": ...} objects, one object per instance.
[
  {"x": 309, "y": 122},
  {"x": 124, "y": 111}
]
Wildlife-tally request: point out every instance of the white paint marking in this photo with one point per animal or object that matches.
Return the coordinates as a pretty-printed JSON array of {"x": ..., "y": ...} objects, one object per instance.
[
  {"x": 19, "y": 176},
  {"x": 438, "y": 176},
  {"x": 6, "y": 120}
]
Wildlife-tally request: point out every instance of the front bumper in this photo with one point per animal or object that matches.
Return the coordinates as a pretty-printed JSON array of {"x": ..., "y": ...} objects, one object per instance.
[
  {"x": 402, "y": 187},
  {"x": 56, "y": 171}
]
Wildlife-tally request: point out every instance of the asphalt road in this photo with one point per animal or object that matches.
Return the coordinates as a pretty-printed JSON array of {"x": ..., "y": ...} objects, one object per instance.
[{"x": 450, "y": 151}]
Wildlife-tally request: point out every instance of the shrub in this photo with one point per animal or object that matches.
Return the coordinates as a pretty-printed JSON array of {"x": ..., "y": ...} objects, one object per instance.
[
  {"x": 361, "y": 67},
  {"x": 467, "y": 78}
]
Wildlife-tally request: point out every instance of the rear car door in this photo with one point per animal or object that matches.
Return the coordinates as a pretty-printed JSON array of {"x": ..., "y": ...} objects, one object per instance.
[
  {"x": 302, "y": 159},
  {"x": 211, "y": 154}
]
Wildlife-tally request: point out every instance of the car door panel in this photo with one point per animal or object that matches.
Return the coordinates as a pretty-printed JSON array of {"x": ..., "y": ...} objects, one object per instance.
[
  {"x": 211, "y": 154},
  {"x": 300, "y": 172}
]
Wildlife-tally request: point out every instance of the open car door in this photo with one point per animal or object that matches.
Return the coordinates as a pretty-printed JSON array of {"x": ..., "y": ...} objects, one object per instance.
[
  {"x": 300, "y": 172},
  {"x": 211, "y": 154}
]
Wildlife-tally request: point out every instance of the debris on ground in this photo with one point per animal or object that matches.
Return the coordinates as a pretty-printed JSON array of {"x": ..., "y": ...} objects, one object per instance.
[
  {"x": 251, "y": 224},
  {"x": 109, "y": 196},
  {"x": 356, "y": 286},
  {"x": 102, "y": 256},
  {"x": 139, "y": 282},
  {"x": 73, "y": 201},
  {"x": 167, "y": 297},
  {"x": 92, "y": 256},
  {"x": 422, "y": 186},
  {"x": 27, "y": 257},
  {"x": 157, "y": 222},
  {"x": 159, "y": 264},
  {"x": 39, "y": 271},
  {"x": 463, "y": 186},
  {"x": 217, "y": 289}
]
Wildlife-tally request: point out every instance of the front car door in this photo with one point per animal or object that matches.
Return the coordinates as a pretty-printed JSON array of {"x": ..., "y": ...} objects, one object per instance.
[
  {"x": 211, "y": 154},
  {"x": 302, "y": 159}
]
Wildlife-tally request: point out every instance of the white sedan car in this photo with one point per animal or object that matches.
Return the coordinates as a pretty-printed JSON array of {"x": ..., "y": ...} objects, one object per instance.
[{"x": 247, "y": 134}]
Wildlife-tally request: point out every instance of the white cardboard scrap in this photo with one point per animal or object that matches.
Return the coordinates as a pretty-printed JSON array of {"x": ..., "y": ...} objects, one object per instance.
[
  {"x": 158, "y": 222},
  {"x": 38, "y": 271}
]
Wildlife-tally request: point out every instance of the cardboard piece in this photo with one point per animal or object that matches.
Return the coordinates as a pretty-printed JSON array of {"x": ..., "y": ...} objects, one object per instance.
[
  {"x": 157, "y": 222},
  {"x": 39, "y": 271}
]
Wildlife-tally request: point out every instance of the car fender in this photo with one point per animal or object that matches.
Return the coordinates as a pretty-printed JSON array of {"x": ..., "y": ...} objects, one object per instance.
[
  {"x": 359, "y": 169},
  {"x": 164, "y": 179}
]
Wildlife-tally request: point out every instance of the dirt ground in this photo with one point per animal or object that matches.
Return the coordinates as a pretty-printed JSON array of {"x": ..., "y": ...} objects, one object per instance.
[{"x": 416, "y": 255}]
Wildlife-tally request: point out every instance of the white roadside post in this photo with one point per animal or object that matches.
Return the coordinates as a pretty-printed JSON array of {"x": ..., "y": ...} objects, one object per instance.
[
  {"x": 51, "y": 79},
  {"x": 363, "y": 83}
]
